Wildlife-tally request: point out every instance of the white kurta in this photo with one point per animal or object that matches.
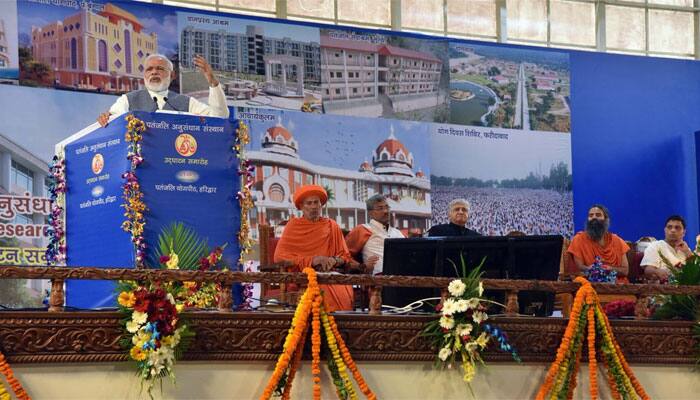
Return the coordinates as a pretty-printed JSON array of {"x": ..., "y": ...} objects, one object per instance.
[
  {"x": 651, "y": 255},
  {"x": 375, "y": 243},
  {"x": 216, "y": 108}
]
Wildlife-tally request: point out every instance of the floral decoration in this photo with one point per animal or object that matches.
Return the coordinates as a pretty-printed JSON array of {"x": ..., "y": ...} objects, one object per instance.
[
  {"x": 133, "y": 197},
  {"x": 15, "y": 385},
  {"x": 311, "y": 309},
  {"x": 586, "y": 323},
  {"x": 461, "y": 332},
  {"x": 155, "y": 334},
  {"x": 154, "y": 330},
  {"x": 598, "y": 272},
  {"x": 247, "y": 290},
  {"x": 180, "y": 247},
  {"x": 246, "y": 170},
  {"x": 56, "y": 249},
  {"x": 678, "y": 306},
  {"x": 620, "y": 308}
]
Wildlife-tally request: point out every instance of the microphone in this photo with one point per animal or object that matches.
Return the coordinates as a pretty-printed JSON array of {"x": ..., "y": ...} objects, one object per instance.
[
  {"x": 155, "y": 101},
  {"x": 172, "y": 106}
]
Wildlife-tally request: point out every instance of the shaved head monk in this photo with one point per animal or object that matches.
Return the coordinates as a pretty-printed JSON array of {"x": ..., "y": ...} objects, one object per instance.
[{"x": 317, "y": 242}]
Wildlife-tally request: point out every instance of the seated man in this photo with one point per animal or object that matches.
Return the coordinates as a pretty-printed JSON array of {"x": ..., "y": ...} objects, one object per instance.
[
  {"x": 673, "y": 248},
  {"x": 366, "y": 241},
  {"x": 458, "y": 215},
  {"x": 596, "y": 240},
  {"x": 315, "y": 241}
]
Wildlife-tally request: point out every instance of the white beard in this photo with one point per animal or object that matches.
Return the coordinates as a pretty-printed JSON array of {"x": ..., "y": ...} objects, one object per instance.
[{"x": 158, "y": 87}]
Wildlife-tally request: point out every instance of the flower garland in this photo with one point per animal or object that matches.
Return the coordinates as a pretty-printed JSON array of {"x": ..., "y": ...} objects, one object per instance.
[
  {"x": 133, "y": 197},
  {"x": 247, "y": 290},
  {"x": 56, "y": 249},
  {"x": 311, "y": 305},
  {"x": 15, "y": 385},
  {"x": 587, "y": 317},
  {"x": 460, "y": 331},
  {"x": 336, "y": 364},
  {"x": 245, "y": 197}
]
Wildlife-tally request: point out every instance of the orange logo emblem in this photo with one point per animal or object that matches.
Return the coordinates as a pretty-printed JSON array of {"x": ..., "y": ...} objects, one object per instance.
[
  {"x": 186, "y": 144},
  {"x": 98, "y": 162}
]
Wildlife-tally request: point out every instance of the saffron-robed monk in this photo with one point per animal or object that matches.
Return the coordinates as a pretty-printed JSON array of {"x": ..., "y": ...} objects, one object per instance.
[{"x": 315, "y": 241}]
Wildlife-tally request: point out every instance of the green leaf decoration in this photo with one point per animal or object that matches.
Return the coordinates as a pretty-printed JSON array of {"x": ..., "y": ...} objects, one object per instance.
[
  {"x": 183, "y": 241},
  {"x": 682, "y": 307}
]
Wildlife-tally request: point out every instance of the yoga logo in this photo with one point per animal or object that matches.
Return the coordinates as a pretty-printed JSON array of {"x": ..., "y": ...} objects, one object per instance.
[
  {"x": 186, "y": 144},
  {"x": 98, "y": 163}
]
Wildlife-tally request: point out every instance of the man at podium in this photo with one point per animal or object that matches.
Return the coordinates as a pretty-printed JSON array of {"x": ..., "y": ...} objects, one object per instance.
[{"x": 157, "y": 77}]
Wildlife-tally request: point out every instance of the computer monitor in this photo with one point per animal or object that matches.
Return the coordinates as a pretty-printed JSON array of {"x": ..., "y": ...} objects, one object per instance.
[
  {"x": 537, "y": 258},
  {"x": 525, "y": 257},
  {"x": 410, "y": 257},
  {"x": 488, "y": 251}
]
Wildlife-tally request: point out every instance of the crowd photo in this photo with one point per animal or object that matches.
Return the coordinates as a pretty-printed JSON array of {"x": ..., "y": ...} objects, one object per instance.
[{"x": 498, "y": 211}]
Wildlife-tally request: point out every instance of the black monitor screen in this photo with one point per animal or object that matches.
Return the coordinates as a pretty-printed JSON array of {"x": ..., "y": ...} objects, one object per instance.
[
  {"x": 492, "y": 251},
  {"x": 526, "y": 257},
  {"x": 410, "y": 257}
]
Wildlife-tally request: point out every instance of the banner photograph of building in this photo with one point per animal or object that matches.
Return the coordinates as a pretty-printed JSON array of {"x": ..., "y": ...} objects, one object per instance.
[
  {"x": 373, "y": 75},
  {"x": 260, "y": 64},
  {"x": 101, "y": 48},
  {"x": 513, "y": 180},
  {"x": 25, "y": 150},
  {"x": 8, "y": 42},
  {"x": 353, "y": 158},
  {"x": 24, "y": 207},
  {"x": 509, "y": 88}
]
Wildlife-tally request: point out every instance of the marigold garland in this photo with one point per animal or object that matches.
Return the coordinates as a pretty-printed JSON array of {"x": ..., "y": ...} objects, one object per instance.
[
  {"x": 15, "y": 385},
  {"x": 311, "y": 308},
  {"x": 335, "y": 358},
  {"x": 587, "y": 317},
  {"x": 3, "y": 392},
  {"x": 133, "y": 197}
]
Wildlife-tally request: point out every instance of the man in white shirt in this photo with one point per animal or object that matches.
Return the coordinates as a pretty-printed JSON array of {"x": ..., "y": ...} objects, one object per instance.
[
  {"x": 157, "y": 77},
  {"x": 673, "y": 248},
  {"x": 366, "y": 241}
]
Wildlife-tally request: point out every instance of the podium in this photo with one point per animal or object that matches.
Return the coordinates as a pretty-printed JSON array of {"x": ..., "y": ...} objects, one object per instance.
[{"x": 189, "y": 174}]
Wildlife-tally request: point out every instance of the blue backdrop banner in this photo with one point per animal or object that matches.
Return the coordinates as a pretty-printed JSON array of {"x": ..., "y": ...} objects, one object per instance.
[
  {"x": 94, "y": 165},
  {"x": 189, "y": 175}
]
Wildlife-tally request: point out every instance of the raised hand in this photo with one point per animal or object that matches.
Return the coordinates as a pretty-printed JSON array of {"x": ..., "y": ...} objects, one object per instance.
[{"x": 204, "y": 67}]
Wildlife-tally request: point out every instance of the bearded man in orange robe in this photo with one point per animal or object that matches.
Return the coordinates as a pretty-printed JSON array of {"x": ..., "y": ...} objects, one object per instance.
[
  {"x": 597, "y": 241},
  {"x": 315, "y": 241}
]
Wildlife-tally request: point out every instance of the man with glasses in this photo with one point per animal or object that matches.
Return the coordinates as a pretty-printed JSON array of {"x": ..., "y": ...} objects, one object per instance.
[
  {"x": 366, "y": 241},
  {"x": 156, "y": 96},
  {"x": 458, "y": 215}
]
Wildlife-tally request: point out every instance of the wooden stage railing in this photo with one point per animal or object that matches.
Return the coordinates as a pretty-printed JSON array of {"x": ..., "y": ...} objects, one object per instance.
[
  {"x": 60, "y": 335},
  {"x": 58, "y": 275}
]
